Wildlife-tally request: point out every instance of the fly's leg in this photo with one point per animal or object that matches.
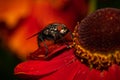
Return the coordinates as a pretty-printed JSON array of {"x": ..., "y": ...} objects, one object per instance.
[
  {"x": 40, "y": 39},
  {"x": 62, "y": 38}
]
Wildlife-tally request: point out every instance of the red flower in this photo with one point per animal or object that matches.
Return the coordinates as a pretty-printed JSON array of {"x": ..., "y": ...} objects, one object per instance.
[
  {"x": 64, "y": 67},
  {"x": 86, "y": 60}
]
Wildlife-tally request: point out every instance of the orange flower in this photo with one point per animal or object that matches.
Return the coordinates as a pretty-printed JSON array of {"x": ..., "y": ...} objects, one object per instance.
[
  {"x": 18, "y": 41},
  {"x": 13, "y": 10}
]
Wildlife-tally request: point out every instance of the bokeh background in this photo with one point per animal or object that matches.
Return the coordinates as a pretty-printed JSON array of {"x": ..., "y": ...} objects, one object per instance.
[{"x": 19, "y": 19}]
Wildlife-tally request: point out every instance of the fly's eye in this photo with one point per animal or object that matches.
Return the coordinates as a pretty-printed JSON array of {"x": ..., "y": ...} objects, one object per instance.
[
  {"x": 55, "y": 29},
  {"x": 59, "y": 28},
  {"x": 63, "y": 31}
]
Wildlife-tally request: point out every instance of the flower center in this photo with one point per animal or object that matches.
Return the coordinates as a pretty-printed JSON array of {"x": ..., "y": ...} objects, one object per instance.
[{"x": 97, "y": 39}]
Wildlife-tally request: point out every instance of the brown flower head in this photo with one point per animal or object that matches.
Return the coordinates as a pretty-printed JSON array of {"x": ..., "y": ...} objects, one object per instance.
[{"x": 99, "y": 38}]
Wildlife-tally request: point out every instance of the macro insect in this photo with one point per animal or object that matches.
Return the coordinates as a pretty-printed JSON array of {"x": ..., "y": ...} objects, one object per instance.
[{"x": 54, "y": 32}]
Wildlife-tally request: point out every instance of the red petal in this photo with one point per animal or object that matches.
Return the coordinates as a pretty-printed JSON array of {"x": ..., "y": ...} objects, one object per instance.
[
  {"x": 114, "y": 72},
  {"x": 53, "y": 50},
  {"x": 38, "y": 54},
  {"x": 104, "y": 75},
  {"x": 40, "y": 68},
  {"x": 93, "y": 75},
  {"x": 57, "y": 49},
  {"x": 82, "y": 72},
  {"x": 118, "y": 72},
  {"x": 66, "y": 73}
]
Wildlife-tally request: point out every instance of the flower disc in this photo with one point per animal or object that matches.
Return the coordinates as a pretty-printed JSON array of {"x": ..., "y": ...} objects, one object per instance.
[
  {"x": 97, "y": 39},
  {"x": 100, "y": 31}
]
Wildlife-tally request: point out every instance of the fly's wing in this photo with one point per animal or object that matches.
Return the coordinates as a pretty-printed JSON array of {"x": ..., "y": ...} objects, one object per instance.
[
  {"x": 37, "y": 33},
  {"x": 33, "y": 35}
]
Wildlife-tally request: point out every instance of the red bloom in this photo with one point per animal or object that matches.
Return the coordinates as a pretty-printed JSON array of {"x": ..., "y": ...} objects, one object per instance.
[
  {"x": 64, "y": 67},
  {"x": 86, "y": 60}
]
